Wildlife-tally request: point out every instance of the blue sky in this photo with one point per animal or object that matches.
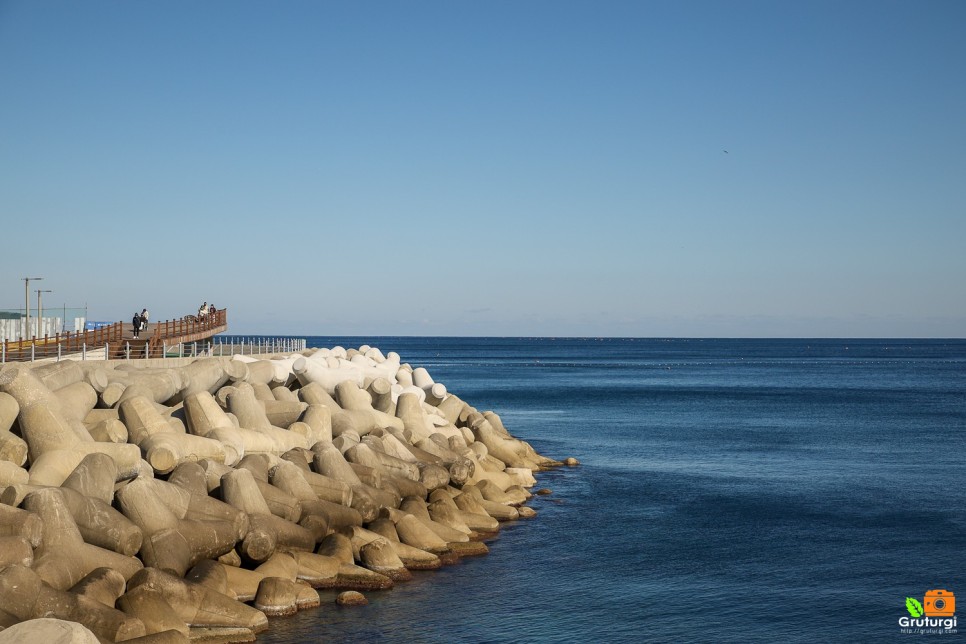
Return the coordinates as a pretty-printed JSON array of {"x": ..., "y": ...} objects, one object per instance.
[{"x": 491, "y": 168}]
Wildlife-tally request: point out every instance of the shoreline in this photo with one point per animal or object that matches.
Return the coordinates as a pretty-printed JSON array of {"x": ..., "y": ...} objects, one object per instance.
[{"x": 210, "y": 495}]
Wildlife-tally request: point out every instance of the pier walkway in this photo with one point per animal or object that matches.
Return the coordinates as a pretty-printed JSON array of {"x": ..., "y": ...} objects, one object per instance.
[{"x": 117, "y": 340}]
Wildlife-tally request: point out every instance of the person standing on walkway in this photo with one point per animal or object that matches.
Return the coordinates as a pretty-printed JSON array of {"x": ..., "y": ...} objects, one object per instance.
[
  {"x": 144, "y": 319},
  {"x": 136, "y": 323}
]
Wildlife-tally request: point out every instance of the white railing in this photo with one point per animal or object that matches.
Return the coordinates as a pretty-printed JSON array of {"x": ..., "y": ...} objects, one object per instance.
[{"x": 255, "y": 345}]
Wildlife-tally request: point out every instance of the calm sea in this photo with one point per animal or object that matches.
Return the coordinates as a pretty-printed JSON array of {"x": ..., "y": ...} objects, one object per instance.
[{"x": 730, "y": 491}]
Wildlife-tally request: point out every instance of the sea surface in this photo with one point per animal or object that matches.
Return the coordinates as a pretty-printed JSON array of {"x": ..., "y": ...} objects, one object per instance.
[{"x": 729, "y": 491}]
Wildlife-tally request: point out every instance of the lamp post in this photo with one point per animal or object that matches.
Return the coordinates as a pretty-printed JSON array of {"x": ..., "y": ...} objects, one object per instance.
[
  {"x": 26, "y": 304},
  {"x": 40, "y": 310}
]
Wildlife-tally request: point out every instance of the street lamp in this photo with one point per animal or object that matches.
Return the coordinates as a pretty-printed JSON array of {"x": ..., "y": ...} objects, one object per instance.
[
  {"x": 40, "y": 310},
  {"x": 26, "y": 304}
]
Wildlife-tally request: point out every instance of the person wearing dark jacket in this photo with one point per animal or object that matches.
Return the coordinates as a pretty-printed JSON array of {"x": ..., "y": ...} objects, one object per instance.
[{"x": 136, "y": 323}]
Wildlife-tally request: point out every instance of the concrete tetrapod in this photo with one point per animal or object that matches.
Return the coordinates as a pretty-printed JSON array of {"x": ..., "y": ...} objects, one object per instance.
[
  {"x": 352, "y": 398},
  {"x": 259, "y": 371},
  {"x": 449, "y": 515},
  {"x": 15, "y": 522},
  {"x": 208, "y": 374},
  {"x": 399, "y": 487},
  {"x": 277, "y": 596},
  {"x": 198, "y": 605},
  {"x": 170, "y": 543},
  {"x": 293, "y": 480},
  {"x": 512, "y": 495},
  {"x": 477, "y": 520},
  {"x": 99, "y": 524},
  {"x": 149, "y": 605},
  {"x": 458, "y": 468},
  {"x": 284, "y": 368},
  {"x": 379, "y": 556},
  {"x": 12, "y": 447},
  {"x": 106, "y": 430},
  {"x": 314, "y": 394},
  {"x": 284, "y": 393},
  {"x": 415, "y": 533},
  {"x": 279, "y": 502},
  {"x": 159, "y": 385},
  {"x": 380, "y": 392},
  {"x": 435, "y": 391},
  {"x": 186, "y": 505},
  {"x": 353, "y": 577},
  {"x": 190, "y": 476},
  {"x": 418, "y": 508},
  {"x": 338, "y": 547},
  {"x": 319, "y": 419},
  {"x": 365, "y": 499},
  {"x": 317, "y": 570},
  {"x": 15, "y": 551},
  {"x": 377, "y": 468},
  {"x": 281, "y": 564},
  {"x": 76, "y": 399},
  {"x": 268, "y": 532},
  {"x": 318, "y": 371},
  {"x": 283, "y": 413},
  {"x": 214, "y": 575},
  {"x": 394, "y": 443},
  {"x": 59, "y": 374},
  {"x": 471, "y": 500},
  {"x": 409, "y": 409},
  {"x": 412, "y": 558},
  {"x": 63, "y": 559},
  {"x": 205, "y": 417},
  {"x": 24, "y": 595},
  {"x": 434, "y": 476},
  {"x": 453, "y": 409},
  {"x": 102, "y": 585},
  {"x": 251, "y": 415},
  {"x": 363, "y": 454},
  {"x": 326, "y": 488},
  {"x": 11, "y": 474},
  {"x": 511, "y": 451},
  {"x": 48, "y": 630},
  {"x": 162, "y": 447}
]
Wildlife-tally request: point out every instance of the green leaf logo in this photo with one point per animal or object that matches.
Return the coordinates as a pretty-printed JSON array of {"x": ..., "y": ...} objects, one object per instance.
[{"x": 914, "y": 607}]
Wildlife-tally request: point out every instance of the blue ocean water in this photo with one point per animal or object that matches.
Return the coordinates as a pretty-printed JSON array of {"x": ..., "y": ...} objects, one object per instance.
[{"x": 729, "y": 491}]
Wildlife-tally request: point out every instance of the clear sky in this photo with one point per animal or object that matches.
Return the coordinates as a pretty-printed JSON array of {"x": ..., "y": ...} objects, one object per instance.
[{"x": 599, "y": 168}]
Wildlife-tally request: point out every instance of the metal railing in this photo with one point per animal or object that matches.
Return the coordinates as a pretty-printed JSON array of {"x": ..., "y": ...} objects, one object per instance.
[{"x": 257, "y": 345}]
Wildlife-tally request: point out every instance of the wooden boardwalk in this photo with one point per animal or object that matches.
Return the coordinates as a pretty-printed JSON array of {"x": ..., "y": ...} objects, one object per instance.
[{"x": 118, "y": 341}]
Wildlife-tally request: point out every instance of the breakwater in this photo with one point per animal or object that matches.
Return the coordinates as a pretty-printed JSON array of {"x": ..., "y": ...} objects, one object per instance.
[{"x": 198, "y": 500}]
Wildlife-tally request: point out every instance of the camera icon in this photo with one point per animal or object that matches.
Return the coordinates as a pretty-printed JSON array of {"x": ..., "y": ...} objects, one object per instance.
[{"x": 939, "y": 603}]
